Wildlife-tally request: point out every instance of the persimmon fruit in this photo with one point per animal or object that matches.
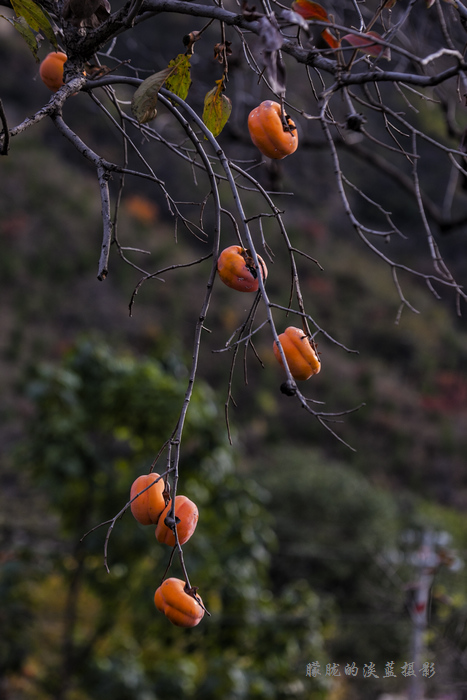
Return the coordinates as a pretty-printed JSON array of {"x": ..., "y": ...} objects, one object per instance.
[
  {"x": 149, "y": 505},
  {"x": 237, "y": 269},
  {"x": 178, "y": 606},
  {"x": 186, "y": 518},
  {"x": 268, "y": 133},
  {"x": 301, "y": 356},
  {"x": 51, "y": 70}
]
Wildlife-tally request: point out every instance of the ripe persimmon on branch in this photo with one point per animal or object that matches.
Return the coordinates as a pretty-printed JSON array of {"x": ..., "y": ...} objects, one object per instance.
[{"x": 358, "y": 83}]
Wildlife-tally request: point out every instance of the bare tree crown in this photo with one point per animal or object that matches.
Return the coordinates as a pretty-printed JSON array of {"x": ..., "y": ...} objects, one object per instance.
[{"x": 364, "y": 77}]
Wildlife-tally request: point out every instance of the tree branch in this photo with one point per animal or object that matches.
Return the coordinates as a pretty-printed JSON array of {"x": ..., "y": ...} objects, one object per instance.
[
  {"x": 5, "y": 133},
  {"x": 103, "y": 177}
]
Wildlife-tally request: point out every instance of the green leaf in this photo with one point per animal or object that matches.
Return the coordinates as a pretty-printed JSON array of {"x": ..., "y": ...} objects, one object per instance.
[
  {"x": 180, "y": 78},
  {"x": 217, "y": 109},
  {"x": 36, "y": 17},
  {"x": 29, "y": 37},
  {"x": 176, "y": 78},
  {"x": 144, "y": 102}
]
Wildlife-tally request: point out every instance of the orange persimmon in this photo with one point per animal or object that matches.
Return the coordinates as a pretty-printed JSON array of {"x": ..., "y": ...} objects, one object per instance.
[
  {"x": 186, "y": 518},
  {"x": 51, "y": 70},
  {"x": 301, "y": 356},
  {"x": 178, "y": 606},
  {"x": 268, "y": 133},
  {"x": 149, "y": 505},
  {"x": 237, "y": 269}
]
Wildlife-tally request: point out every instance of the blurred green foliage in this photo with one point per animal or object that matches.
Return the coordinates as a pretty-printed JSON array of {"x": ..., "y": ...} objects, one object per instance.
[
  {"x": 354, "y": 543},
  {"x": 334, "y": 527},
  {"x": 98, "y": 419},
  {"x": 293, "y": 553}
]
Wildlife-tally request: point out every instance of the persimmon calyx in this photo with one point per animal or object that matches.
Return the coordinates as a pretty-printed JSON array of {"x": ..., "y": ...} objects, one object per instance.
[
  {"x": 288, "y": 388},
  {"x": 171, "y": 521},
  {"x": 193, "y": 592},
  {"x": 287, "y": 123},
  {"x": 239, "y": 270},
  {"x": 249, "y": 262}
]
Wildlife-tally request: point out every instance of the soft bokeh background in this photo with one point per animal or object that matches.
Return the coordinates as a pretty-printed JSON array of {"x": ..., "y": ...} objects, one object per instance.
[{"x": 304, "y": 550}]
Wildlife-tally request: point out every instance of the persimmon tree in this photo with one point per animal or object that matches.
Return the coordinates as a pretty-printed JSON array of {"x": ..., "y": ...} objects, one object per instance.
[{"x": 361, "y": 82}]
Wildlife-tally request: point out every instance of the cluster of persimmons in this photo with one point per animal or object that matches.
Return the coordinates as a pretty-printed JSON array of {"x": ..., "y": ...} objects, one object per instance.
[
  {"x": 150, "y": 501},
  {"x": 150, "y": 505},
  {"x": 238, "y": 270},
  {"x": 274, "y": 134}
]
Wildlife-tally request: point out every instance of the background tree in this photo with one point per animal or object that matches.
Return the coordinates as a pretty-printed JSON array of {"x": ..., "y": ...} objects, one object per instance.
[{"x": 83, "y": 454}]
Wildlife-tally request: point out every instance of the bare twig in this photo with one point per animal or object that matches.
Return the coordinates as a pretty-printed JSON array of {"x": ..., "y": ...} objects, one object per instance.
[{"x": 103, "y": 177}]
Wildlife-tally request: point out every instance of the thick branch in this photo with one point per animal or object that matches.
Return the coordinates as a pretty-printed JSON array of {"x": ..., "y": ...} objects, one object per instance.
[
  {"x": 379, "y": 76},
  {"x": 118, "y": 23},
  {"x": 53, "y": 106}
]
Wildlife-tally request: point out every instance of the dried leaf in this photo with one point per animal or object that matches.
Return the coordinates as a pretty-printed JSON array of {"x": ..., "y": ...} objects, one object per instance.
[
  {"x": 270, "y": 34},
  {"x": 189, "y": 40},
  {"x": 310, "y": 10},
  {"x": 94, "y": 72},
  {"x": 277, "y": 76},
  {"x": 179, "y": 80},
  {"x": 79, "y": 9},
  {"x": 217, "y": 109},
  {"x": 250, "y": 13},
  {"x": 363, "y": 43},
  {"x": 313, "y": 10},
  {"x": 294, "y": 18},
  {"x": 103, "y": 11},
  {"x": 272, "y": 40},
  {"x": 222, "y": 50},
  {"x": 143, "y": 104},
  {"x": 86, "y": 13},
  {"x": 36, "y": 17},
  {"x": 330, "y": 39}
]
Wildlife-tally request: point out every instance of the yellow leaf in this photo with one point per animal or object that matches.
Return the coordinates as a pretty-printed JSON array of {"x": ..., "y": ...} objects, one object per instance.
[{"x": 217, "y": 109}]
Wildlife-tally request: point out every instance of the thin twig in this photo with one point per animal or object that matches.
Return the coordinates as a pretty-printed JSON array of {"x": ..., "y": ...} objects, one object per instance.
[{"x": 103, "y": 178}]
